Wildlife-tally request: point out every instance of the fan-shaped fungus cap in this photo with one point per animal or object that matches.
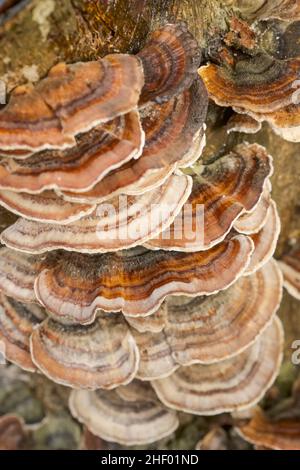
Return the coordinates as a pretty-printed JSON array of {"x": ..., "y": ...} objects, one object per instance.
[
  {"x": 27, "y": 122},
  {"x": 170, "y": 60},
  {"x": 253, "y": 221},
  {"x": 243, "y": 123},
  {"x": 135, "y": 281},
  {"x": 16, "y": 325},
  {"x": 265, "y": 241},
  {"x": 282, "y": 434},
  {"x": 122, "y": 222},
  {"x": 100, "y": 355},
  {"x": 260, "y": 84},
  {"x": 44, "y": 207},
  {"x": 17, "y": 274},
  {"x": 233, "y": 384},
  {"x": 77, "y": 169},
  {"x": 70, "y": 100},
  {"x": 114, "y": 419},
  {"x": 232, "y": 319},
  {"x": 174, "y": 137},
  {"x": 221, "y": 192},
  {"x": 290, "y": 267},
  {"x": 12, "y": 432},
  {"x": 284, "y": 121}
]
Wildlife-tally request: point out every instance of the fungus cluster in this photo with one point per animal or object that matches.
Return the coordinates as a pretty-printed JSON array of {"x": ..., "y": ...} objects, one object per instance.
[
  {"x": 141, "y": 320},
  {"x": 256, "y": 82}
]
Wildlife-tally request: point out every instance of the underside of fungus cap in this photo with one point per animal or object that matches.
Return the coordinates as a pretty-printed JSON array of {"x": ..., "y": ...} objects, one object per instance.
[
  {"x": 44, "y": 207},
  {"x": 284, "y": 121},
  {"x": 265, "y": 241},
  {"x": 17, "y": 274},
  {"x": 121, "y": 222},
  {"x": 254, "y": 220},
  {"x": 290, "y": 267},
  {"x": 243, "y": 123},
  {"x": 174, "y": 136},
  {"x": 233, "y": 384},
  {"x": 114, "y": 419},
  {"x": 281, "y": 434},
  {"x": 209, "y": 329},
  {"x": 260, "y": 84},
  {"x": 77, "y": 169},
  {"x": 222, "y": 191},
  {"x": 99, "y": 355},
  {"x": 72, "y": 99},
  {"x": 135, "y": 281},
  {"x": 170, "y": 60},
  {"x": 17, "y": 322}
]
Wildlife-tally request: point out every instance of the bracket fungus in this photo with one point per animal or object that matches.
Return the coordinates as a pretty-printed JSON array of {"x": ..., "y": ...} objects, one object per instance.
[
  {"x": 17, "y": 322},
  {"x": 290, "y": 267},
  {"x": 120, "y": 223},
  {"x": 44, "y": 207},
  {"x": 259, "y": 84},
  {"x": 233, "y": 384},
  {"x": 111, "y": 417},
  {"x": 135, "y": 281},
  {"x": 209, "y": 329},
  {"x": 278, "y": 434},
  {"x": 140, "y": 311},
  {"x": 100, "y": 355},
  {"x": 243, "y": 123},
  {"x": 12, "y": 432},
  {"x": 222, "y": 191},
  {"x": 174, "y": 138},
  {"x": 72, "y": 99},
  {"x": 77, "y": 169},
  {"x": 170, "y": 60},
  {"x": 254, "y": 220},
  {"x": 17, "y": 275}
]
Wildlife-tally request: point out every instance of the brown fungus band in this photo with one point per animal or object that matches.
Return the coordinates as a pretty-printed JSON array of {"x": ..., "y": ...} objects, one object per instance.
[
  {"x": 208, "y": 329},
  {"x": 121, "y": 222},
  {"x": 232, "y": 384},
  {"x": 113, "y": 418},
  {"x": 73, "y": 286},
  {"x": 222, "y": 191}
]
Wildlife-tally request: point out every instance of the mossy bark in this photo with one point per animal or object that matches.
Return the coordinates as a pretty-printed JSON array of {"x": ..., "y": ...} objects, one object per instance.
[{"x": 45, "y": 32}]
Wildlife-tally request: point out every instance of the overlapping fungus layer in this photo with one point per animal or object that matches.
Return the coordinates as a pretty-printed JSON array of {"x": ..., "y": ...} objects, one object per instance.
[{"x": 143, "y": 312}]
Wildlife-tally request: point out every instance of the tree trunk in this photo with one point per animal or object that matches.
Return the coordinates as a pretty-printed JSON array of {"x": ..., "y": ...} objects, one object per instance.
[{"x": 39, "y": 33}]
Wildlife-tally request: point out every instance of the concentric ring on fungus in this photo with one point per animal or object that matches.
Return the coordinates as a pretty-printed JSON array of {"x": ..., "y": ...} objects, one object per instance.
[
  {"x": 208, "y": 329},
  {"x": 174, "y": 138},
  {"x": 72, "y": 99},
  {"x": 111, "y": 417},
  {"x": 233, "y": 384},
  {"x": 122, "y": 222},
  {"x": 222, "y": 191},
  {"x": 100, "y": 355},
  {"x": 79, "y": 168},
  {"x": 73, "y": 286},
  {"x": 259, "y": 84},
  {"x": 17, "y": 322},
  {"x": 170, "y": 60}
]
